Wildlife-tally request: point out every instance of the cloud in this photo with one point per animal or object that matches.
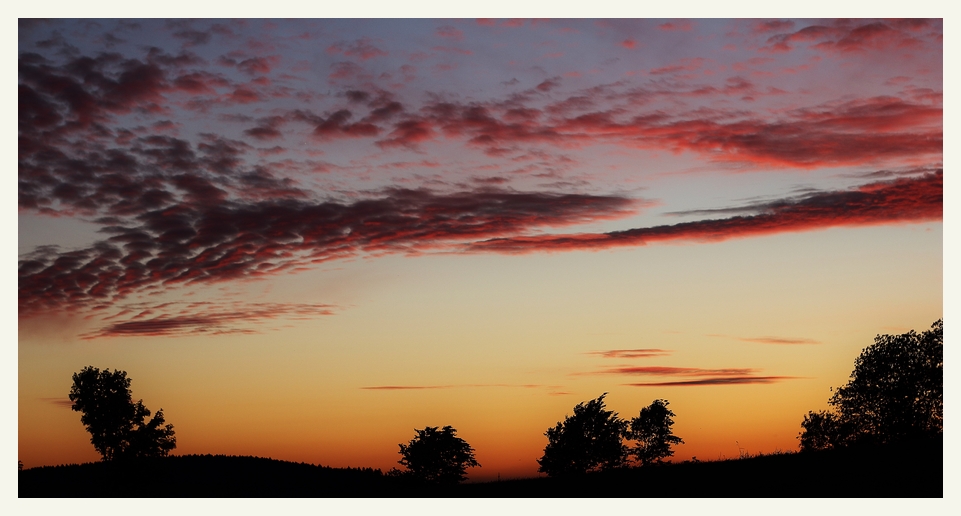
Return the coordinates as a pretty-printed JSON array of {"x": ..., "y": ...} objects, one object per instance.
[
  {"x": 258, "y": 65},
  {"x": 86, "y": 93},
  {"x": 201, "y": 239},
  {"x": 453, "y": 50},
  {"x": 701, "y": 376},
  {"x": 632, "y": 353},
  {"x": 772, "y": 26},
  {"x": 548, "y": 84},
  {"x": 362, "y": 48},
  {"x": 182, "y": 210},
  {"x": 845, "y": 36},
  {"x": 685, "y": 65},
  {"x": 675, "y": 371},
  {"x": 453, "y": 386},
  {"x": 734, "y": 380},
  {"x": 903, "y": 200},
  {"x": 59, "y": 402},
  {"x": 676, "y": 26},
  {"x": 204, "y": 318},
  {"x": 860, "y": 131},
  {"x": 405, "y": 387},
  {"x": 778, "y": 340},
  {"x": 450, "y": 32}
]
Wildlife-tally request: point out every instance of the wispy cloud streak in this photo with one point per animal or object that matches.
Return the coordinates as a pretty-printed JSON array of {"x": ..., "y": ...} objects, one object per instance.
[
  {"x": 903, "y": 200},
  {"x": 451, "y": 386},
  {"x": 209, "y": 242},
  {"x": 632, "y": 353},
  {"x": 733, "y": 380},
  {"x": 205, "y": 318}
]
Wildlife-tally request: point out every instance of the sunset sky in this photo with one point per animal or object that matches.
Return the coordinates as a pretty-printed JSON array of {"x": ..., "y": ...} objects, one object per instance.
[{"x": 303, "y": 239}]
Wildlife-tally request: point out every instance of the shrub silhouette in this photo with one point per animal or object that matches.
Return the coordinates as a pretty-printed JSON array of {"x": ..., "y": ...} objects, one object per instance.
[
  {"x": 437, "y": 456},
  {"x": 652, "y": 431},
  {"x": 589, "y": 440},
  {"x": 895, "y": 394},
  {"x": 116, "y": 424}
]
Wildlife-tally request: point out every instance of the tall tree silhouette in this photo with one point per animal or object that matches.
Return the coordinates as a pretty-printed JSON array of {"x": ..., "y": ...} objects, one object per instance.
[
  {"x": 896, "y": 393},
  {"x": 652, "y": 431},
  {"x": 118, "y": 426},
  {"x": 589, "y": 440},
  {"x": 437, "y": 456}
]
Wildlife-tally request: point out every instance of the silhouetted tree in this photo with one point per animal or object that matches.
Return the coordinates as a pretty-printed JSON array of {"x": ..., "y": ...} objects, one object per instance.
[
  {"x": 822, "y": 431},
  {"x": 117, "y": 425},
  {"x": 437, "y": 456},
  {"x": 652, "y": 431},
  {"x": 589, "y": 440},
  {"x": 896, "y": 393}
]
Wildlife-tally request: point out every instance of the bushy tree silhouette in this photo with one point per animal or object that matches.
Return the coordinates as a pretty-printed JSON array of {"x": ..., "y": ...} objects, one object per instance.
[
  {"x": 117, "y": 425},
  {"x": 437, "y": 456},
  {"x": 589, "y": 440},
  {"x": 895, "y": 394},
  {"x": 652, "y": 431}
]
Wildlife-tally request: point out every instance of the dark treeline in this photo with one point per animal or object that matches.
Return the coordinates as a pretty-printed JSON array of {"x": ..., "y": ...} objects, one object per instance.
[
  {"x": 868, "y": 471},
  {"x": 882, "y": 438}
]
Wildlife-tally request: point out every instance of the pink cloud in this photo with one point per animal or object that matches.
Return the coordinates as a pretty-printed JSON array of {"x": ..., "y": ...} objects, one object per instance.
[
  {"x": 685, "y": 65},
  {"x": 362, "y": 48},
  {"x": 676, "y": 26}
]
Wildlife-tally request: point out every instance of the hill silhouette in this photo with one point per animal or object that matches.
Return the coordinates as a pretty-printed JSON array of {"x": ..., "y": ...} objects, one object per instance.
[{"x": 914, "y": 470}]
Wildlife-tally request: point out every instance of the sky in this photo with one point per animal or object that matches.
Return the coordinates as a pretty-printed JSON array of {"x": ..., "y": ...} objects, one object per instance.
[{"x": 303, "y": 239}]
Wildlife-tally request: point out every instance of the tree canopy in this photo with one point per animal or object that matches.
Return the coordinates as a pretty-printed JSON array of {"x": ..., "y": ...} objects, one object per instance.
[
  {"x": 895, "y": 394},
  {"x": 652, "y": 431},
  {"x": 117, "y": 425},
  {"x": 588, "y": 440},
  {"x": 437, "y": 456}
]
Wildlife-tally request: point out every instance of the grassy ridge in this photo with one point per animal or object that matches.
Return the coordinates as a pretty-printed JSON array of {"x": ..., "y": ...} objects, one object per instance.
[{"x": 915, "y": 471}]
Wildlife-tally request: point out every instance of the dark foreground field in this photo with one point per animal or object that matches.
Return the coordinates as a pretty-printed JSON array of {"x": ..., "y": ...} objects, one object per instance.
[{"x": 914, "y": 471}]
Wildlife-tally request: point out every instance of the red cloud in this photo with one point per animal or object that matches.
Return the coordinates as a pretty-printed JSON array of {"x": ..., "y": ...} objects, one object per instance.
[
  {"x": 632, "y": 353},
  {"x": 772, "y": 26},
  {"x": 207, "y": 319},
  {"x": 200, "y": 83},
  {"x": 674, "y": 26},
  {"x": 686, "y": 65},
  {"x": 726, "y": 376},
  {"x": 675, "y": 371},
  {"x": 779, "y": 340},
  {"x": 734, "y": 380},
  {"x": 362, "y": 48},
  {"x": 408, "y": 133},
  {"x": 205, "y": 240},
  {"x": 845, "y": 38},
  {"x": 853, "y": 132},
  {"x": 902, "y": 200},
  {"x": 451, "y": 386},
  {"x": 258, "y": 65}
]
